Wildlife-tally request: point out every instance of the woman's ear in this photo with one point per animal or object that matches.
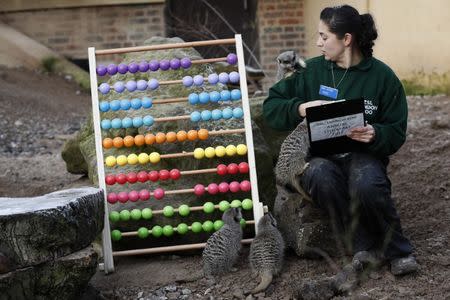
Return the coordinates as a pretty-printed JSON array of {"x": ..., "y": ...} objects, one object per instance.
[{"x": 348, "y": 39}]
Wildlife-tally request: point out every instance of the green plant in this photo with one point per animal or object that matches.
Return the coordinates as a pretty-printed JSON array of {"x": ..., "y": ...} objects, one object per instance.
[{"x": 49, "y": 63}]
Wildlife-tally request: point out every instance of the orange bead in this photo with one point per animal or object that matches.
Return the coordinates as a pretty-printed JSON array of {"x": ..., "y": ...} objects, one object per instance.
[
  {"x": 128, "y": 141},
  {"x": 160, "y": 137},
  {"x": 118, "y": 142},
  {"x": 181, "y": 136},
  {"x": 150, "y": 138},
  {"x": 107, "y": 143},
  {"x": 171, "y": 137},
  {"x": 139, "y": 140},
  {"x": 192, "y": 135},
  {"x": 203, "y": 134}
]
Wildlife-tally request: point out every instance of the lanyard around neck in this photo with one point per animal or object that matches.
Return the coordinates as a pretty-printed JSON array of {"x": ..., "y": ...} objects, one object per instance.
[{"x": 342, "y": 78}]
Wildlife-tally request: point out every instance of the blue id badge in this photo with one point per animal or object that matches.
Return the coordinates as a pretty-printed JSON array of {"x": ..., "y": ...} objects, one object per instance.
[{"x": 328, "y": 92}]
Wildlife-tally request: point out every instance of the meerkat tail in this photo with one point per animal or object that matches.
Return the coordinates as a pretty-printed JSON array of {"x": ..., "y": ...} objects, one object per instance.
[{"x": 266, "y": 279}]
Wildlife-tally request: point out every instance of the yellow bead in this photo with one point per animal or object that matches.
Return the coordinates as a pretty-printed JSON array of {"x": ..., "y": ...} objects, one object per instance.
[
  {"x": 231, "y": 150},
  {"x": 110, "y": 161},
  {"x": 199, "y": 153},
  {"x": 210, "y": 152},
  {"x": 122, "y": 160},
  {"x": 220, "y": 151},
  {"x": 155, "y": 157},
  {"x": 143, "y": 158},
  {"x": 241, "y": 149},
  {"x": 132, "y": 159}
]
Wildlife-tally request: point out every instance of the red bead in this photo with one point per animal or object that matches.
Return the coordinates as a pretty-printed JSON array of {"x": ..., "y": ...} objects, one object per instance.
[
  {"x": 223, "y": 187},
  {"x": 245, "y": 186},
  {"x": 110, "y": 179},
  {"x": 243, "y": 167},
  {"x": 142, "y": 176},
  {"x": 232, "y": 168},
  {"x": 158, "y": 194},
  {"x": 112, "y": 198},
  {"x": 132, "y": 177},
  {"x": 199, "y": 189},
  {"x": 153, "y": 176},
  {"x": 144, "y": 195},
  {"x": 164, "y": 175},
  {"x": 121, "y": 178},
  {"x": 122, "y": 197},
  {"x": 222, "y": 169},
  {"x": 213, "y": 188},
  {"x": 133, "y": 196},
  {"x": 234, "y": 187},
  {"x": 175, "y": 174}
]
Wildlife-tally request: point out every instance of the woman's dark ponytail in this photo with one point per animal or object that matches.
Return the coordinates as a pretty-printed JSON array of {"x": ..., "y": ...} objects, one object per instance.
[{"x": 367, "y": 35}]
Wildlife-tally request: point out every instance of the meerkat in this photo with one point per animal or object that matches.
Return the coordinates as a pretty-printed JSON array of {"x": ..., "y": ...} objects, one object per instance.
[
  {"x": 288, "y": 63},
  {"x": 266, "y": 252}
]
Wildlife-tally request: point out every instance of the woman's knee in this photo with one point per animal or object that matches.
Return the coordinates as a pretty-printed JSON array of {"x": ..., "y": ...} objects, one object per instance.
[{"x": 322, "y": 174}]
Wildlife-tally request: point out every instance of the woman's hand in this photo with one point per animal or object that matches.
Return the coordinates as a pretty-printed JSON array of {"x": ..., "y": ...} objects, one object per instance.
[
  {"x": 302, "y": 107},
  {"x": 364, "y": 134}
]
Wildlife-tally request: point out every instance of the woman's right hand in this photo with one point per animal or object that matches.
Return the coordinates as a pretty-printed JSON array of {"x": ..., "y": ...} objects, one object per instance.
[{"x": 302, "y": 107}]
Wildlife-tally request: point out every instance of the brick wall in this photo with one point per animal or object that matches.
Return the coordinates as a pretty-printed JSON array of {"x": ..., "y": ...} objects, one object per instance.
[{"x": 281, "y": 27}]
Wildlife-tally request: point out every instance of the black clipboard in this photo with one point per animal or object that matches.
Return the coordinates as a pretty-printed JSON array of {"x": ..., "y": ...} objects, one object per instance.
[{"x": 328, "y": 123}]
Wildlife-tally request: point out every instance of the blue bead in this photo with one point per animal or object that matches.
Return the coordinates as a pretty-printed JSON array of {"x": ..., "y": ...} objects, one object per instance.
[
  {"x": 206, "y": 115},
  {"x": 198, "y": 80},
  {"x": 195, "y": 116},
  {"x": 225, "y": 95},
  {"x": 203, "y": 97},
  {"x": 119, "y": 87},
  {"x": 141, "y": 85},
  {"x": 236, "y": 94},
  {"x": 193, "y": 98},
  {"x": 153, "y": 84},
  {"x": 137, "y": 122},
  {"x": 106, "y": 124},
  {"x": 147, "y": 102},
  {"x": 214, "y": 96},
  {"x": 127, "y": 122},
  {"x": 125, "y": 104},
  {"x": 116, "y": 123},
  {"x": 213, "y": 78},
  {"x": 223, "y": 78},
  {"x": 187, "y": 81},
  {"x": 234, "y": 77},
  {"x": 115, "y": 105},
  {"x": 136, "y": 103},
  {"x": 216, "y": 114},
  {"x": 227, "y": 113},
  {"x": 148, "y": 120},
  {"x": 131, "y": 85},
  {"x": 104, "y": 88},
  {"x": 238, "y": 113},
  {"x": 104, "y": 106}
]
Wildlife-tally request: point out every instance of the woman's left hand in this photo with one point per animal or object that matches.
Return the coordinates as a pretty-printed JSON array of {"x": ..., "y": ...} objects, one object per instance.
[{"x": 364, "y": 134}]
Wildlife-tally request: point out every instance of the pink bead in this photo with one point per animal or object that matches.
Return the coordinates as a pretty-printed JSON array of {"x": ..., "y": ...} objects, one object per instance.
[
  {"x": 122, "y": 197},
  {"x": 213, "y": 188},
  {"x": 243, "y": 167},
  {"x": 158, "y": 193},
  {"x": 232, "y": 168},
  {"x": 112, "y": 198},
  {"x": 142, "y": 176},
  {"x": 133, "y": 196},
  {"x": 110, "y": 179},
  {"x": 153, "y": 176},
  {"x": 144, "y": 195},
  {"x": 234, "y": 187},
  {"x": 175, "y": 174},
  {"x": 222, "y": 169},
  {"x": 223, "y": 187},
  {"x": 245, "y": 186},
  {"x": 121, "y": 178},
  {"x": 199, "y": 189},
  {"x": 132, "y": 177},
  {"x": 164, "y": 175}
]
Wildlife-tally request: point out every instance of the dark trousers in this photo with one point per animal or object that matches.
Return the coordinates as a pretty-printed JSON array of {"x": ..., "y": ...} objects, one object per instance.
[{"x": 356, "y": 193}]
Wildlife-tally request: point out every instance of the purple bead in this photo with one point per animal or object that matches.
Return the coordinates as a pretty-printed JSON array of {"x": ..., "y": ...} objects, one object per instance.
[
  {"x": 213, "y": 78},
  {"x": 133, "y": 67},
  {"x": 175, "y": 64},
  {"x": 223, "y": 78},
  {"x": 104, "y": 88},
  {"x": 153, "y": 65},
  {"x": 131, "y": 85},
  {"x": 198, "y": 80},
  {"x": 153, "y": 84},
  {"x": 187, "y": 81},
  {"x": 185, "y": 63},
  {"x": 143, "y": 66},
  {"x": 164, "y": 65},
  {"x": 141, "y": 85},
  {"x": 119, "y": 86},
  {"x": 234, "y": 77},
  {"x": 122, "y": 68},
  {"x": 101, "y": 70},
  {"x": 232, "y": 59},
  {"x": 112, "y": 69}
]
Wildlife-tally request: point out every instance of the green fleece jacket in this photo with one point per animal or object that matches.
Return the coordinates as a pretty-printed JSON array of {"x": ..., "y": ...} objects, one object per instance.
[{"x": 384, "y": 99}]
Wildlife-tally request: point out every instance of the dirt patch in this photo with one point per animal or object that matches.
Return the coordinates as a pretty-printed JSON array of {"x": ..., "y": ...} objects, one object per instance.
[{"x": 38, "y": 112}]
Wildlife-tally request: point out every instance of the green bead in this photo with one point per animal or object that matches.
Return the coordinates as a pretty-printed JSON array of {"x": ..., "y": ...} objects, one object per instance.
[
  {"x": 236, "y": 203},
  {"x": 247, "y": 204},
  {"x": 196, "y": 227},
  {"x": 208, "y": 207},
  {"x": 184, "y": 210},
  {"x": 114, "y": 216},
  {"x": 168, "y": 230},
  {"x": 218, "y": 224},
  {"x": 147, "y": 214},
  {"x": 168, "y": 211},
  {"x": 243, "y": 223},
  {"x": 136, "y": 214},
  {"x": 208, "y": 226},
  {"x": 157, "y": 231},
  {"x": 224, "y": 205},
  {"x": 125, "y": 215},
  {"x": 143, "y": 232},
  {"x": 116, "y": 235},
  {"x": 182, "y": 228}
]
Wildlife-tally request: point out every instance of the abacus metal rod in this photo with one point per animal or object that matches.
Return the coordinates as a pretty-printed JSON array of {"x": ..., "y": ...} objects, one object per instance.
[
  {"x": 135, "y": 233},
  {"x": 194, "y": 208},
  {"x": 178, "y": 100},
  {"x": 165, "y": 46},
  {"x": 208, "y": 60}
]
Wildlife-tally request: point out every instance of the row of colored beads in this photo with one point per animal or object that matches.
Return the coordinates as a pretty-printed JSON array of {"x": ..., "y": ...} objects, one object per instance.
[{"x": 214, "y": 97}]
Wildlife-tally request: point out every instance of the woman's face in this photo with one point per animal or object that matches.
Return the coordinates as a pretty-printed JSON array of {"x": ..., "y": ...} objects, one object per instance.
[{"x": 332, "y": 47}]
